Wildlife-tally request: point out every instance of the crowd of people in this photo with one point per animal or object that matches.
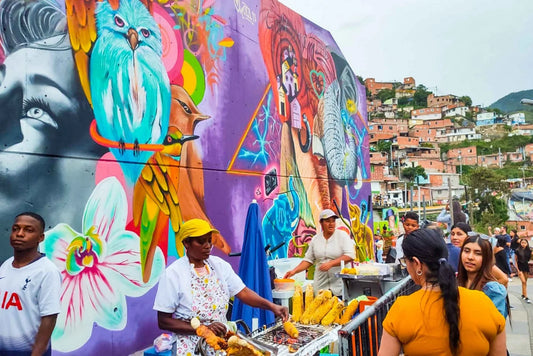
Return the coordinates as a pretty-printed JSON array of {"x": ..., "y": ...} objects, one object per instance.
[{"x": 462, "y": 274}]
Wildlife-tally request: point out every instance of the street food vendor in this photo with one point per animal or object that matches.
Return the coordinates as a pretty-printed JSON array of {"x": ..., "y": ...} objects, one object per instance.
[
  {"x": 200, "y": 285},
  {"x": 327, "y": 249}
]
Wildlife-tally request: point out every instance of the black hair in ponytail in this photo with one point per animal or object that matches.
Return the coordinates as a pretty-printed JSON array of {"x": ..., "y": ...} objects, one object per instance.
[{"x": 429, "y": 247}]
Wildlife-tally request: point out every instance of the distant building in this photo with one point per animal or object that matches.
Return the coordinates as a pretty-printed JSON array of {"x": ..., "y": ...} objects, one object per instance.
[
  {"x": 444, "y": 100},
  {"x": 486, "y": 118},
  {"x": 426, "y": 114},
  {"x": 375, "y": 87},
  {"x": 518, "y": 118},
  {"x": 454, "y": 110},
  {"x": 461, "y": 134},
  {"x": 523, "y": 130}
]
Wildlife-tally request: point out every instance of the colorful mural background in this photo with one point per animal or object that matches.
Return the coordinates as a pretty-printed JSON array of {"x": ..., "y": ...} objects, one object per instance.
[{"x": 123, "y": 118}]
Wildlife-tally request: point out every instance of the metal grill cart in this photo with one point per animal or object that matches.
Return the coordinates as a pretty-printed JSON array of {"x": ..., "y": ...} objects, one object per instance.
[
  {"x": 370, "y": 285},
  {"x": 361, "y": 336},
  {"x": 273, "y": 340}
]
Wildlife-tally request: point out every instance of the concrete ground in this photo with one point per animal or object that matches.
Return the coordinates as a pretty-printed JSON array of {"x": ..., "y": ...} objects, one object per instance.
[{"x": 520, "y": 326}]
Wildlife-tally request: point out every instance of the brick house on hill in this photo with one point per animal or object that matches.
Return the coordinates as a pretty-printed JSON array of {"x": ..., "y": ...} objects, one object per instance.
[
  {"x": 375, "y": 87},
  {"x": 443, "y": 100},
  {"x": 421, "y": 115}
]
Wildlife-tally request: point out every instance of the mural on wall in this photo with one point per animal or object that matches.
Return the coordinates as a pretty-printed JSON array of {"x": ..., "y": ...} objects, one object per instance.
[{"x": 123, "y": 118}]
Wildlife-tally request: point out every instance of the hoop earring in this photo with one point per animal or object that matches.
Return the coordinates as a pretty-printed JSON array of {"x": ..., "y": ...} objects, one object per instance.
[{"x": 419, "y": 273}]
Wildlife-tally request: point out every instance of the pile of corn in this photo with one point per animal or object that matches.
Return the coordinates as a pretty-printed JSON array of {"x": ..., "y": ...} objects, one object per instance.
[
  {"x": 349, "y": 271},
  {"x": 325, "y": 309}
]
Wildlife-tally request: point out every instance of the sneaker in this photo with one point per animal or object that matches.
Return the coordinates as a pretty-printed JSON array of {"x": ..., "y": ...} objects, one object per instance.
[
  {"x": 527, "y": 300},
  {"x": 523, "y": 297}
]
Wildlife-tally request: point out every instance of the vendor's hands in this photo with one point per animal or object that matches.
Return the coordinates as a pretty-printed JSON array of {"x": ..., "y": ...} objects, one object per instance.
[
  {"x": 289, "y": 274},
  {"x": 280, "y": 311},
  {"x": 218, "y": 328},
  {"x": 326, "y": 266}
]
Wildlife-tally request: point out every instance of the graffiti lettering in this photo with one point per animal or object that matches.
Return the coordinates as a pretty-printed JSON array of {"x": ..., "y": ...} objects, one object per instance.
[{"x": 245, "y": 11}]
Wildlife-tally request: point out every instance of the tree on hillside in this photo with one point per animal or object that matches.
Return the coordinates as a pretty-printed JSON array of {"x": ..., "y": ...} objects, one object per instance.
[
  {"x": 412, "y": 174},
  {"x": 421, "y": 96},
  {"x": 487, "y": 188},
  {"x": 386, "y": 94},
  {"x": 384, "y": 146},
  {"x": 404, "y": 100},
  {"x": 466, "y": 99}
]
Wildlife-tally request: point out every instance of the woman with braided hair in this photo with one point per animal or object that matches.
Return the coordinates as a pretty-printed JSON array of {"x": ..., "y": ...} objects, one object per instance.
[{"x": 440, "y": 318}]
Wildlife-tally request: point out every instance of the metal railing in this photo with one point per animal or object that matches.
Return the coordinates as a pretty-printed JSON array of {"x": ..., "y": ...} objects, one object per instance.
[{"x": 362, "y": 335}]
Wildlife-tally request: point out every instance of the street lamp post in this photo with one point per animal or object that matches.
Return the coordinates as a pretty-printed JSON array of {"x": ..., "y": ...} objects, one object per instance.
[{"x": 460, "y": 164}]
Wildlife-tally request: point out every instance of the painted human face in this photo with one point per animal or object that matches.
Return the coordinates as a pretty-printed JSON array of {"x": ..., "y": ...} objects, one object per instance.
[
  {"x": 410, "y": 225},
  {"x": 199, "y": 248},
  {"x": 472, "y": 257},
  {"x": 26, "y": 234},
  {"x": 40, "y": 97},
  {"x": 328, "y": 226},
  {"x": 43, "y": 115},
  {"x": 458, "y": 236}
]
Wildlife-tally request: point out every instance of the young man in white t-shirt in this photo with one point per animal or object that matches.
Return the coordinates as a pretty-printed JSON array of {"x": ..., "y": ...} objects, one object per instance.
[{"x": 30, "y": 287}]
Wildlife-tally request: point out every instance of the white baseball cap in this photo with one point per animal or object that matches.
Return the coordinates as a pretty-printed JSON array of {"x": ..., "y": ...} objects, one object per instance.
[{"x": 326, "y": 214}]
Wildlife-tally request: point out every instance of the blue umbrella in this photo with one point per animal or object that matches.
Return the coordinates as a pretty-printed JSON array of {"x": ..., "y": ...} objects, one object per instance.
[{"x": 253, "y": 270}]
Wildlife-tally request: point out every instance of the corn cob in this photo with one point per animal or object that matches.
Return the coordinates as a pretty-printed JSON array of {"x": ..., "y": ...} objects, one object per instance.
[
  {"x": 323, "y": 310},
  {"x": 297, "y": 303},
  {"x": 211, "y": 339},
  {"x": 290, "y": 329},
  {"x": 327, "y": 293},
  {"x": 309, "y": 295},
  {"x": 350, "y": 311},
  {"x": 334, "y": 313},
  {"x": 308, "y": 313}
]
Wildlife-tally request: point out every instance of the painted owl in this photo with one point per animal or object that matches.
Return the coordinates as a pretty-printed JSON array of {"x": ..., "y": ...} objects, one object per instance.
[{"x": 124, "y": 78}]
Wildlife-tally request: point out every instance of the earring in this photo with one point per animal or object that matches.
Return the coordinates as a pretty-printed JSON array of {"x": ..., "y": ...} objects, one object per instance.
[{"x": 419, "y": 273}]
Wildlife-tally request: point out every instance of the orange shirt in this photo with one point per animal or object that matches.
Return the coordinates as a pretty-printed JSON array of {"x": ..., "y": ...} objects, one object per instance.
[{"x": 418, "y": 322}]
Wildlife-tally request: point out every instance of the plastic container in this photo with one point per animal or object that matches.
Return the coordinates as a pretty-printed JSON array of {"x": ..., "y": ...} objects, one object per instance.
[
  {"x": 283, "y": 265},
  {"x": 284, "y": 284}
]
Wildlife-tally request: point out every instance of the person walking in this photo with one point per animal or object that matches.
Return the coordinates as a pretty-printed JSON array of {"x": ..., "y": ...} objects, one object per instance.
[
  {"x": 523, "y": 254},
  {"x": 441, "y": 318}
]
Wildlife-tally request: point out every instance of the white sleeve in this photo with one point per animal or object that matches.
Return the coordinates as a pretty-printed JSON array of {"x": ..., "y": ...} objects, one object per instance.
[
  {"x": 310, "y": 253},
  {"x": 49, "y": 297},
  {"x": 234, "y": 282},
  {"x": 168, "y": 294},
  {"x": 348, "y": 245}
]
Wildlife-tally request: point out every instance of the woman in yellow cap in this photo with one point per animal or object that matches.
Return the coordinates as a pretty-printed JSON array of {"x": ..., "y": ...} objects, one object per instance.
[{"x": 200, "y": 285}]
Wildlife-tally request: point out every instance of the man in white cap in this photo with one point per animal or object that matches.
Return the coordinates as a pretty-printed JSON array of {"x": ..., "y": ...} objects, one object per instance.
[{"x": 327, "y": 249}]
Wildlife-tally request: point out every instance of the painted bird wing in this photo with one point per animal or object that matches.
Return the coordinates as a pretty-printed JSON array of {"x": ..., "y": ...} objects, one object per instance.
[{"x": 83, "y": 32}]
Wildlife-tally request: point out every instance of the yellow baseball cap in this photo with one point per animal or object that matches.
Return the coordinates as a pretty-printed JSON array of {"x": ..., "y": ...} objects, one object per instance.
[{"x": 194, "y": 228}]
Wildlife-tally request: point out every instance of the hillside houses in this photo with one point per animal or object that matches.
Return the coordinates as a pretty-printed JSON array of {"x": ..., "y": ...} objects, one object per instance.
[{"x": 414, "y": 133}]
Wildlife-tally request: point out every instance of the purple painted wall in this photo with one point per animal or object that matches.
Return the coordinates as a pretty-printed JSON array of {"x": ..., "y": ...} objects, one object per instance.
[{"x": 223, "y": 101}]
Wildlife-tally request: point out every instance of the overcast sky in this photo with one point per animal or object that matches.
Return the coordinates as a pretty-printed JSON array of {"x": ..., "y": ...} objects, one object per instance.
[{"x": 480, "y": 48}]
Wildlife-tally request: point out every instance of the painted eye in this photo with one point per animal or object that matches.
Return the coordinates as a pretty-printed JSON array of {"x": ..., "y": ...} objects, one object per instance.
[
  {"x": 185, "y": 107},
  {"x": 35, "y": 113},
  {"x": 169, "y": 139},
  {"x": 145, "y": 32},
  {"x": 119, "y": 21},
  {"x": 38, "y": 113}
]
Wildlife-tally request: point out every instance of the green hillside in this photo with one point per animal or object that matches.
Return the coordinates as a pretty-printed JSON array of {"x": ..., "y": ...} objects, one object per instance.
[{"x": 511, "y": 102}]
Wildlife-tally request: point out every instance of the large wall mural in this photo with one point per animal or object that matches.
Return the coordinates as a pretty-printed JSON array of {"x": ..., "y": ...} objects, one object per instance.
[{"x": 123, "y": 118}]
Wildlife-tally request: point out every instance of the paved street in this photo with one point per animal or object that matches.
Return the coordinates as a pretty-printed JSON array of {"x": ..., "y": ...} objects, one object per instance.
[{"x": 519, "y": 334}]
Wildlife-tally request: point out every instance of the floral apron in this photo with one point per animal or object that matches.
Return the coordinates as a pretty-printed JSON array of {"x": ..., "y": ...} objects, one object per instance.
[{"x": 209, "y": 303}]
